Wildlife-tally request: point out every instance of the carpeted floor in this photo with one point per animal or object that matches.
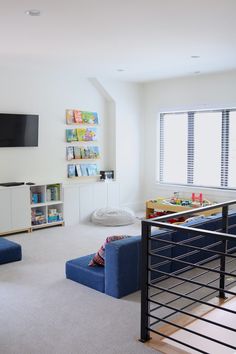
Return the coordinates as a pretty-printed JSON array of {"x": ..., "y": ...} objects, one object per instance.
[{"x": 42, "y": 312}]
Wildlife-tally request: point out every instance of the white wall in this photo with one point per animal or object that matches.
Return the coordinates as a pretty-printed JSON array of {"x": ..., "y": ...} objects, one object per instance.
[
  {"x": 49, "y": 94},
  {"x": 128, "y": 112},
  {"x": 127, "y": 98},
  {"x": 196, "y": 92}
]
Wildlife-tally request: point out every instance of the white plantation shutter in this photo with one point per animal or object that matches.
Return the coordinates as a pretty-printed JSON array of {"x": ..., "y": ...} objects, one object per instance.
[
  {"x": 162, "y": 143},
  {"x": 174, "y": 148},
  {"x": 225, "y": 148},
  {"x": 232, "y": 150},
  {"x": 190, "y": 164},
  {"x": 207, "y": 152},
  {"x": 198, "y": 148}
]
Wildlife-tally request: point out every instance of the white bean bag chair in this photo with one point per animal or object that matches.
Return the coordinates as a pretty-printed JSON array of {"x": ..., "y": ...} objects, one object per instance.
[{"x": 113, "y": 216}]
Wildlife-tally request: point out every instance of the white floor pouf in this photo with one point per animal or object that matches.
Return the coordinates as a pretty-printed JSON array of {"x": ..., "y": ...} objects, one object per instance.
[{"x": 113, "y": 216}]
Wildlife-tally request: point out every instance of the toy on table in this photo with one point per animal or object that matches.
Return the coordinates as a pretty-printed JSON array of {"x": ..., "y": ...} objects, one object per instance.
[{"x": 197, "y": 198}]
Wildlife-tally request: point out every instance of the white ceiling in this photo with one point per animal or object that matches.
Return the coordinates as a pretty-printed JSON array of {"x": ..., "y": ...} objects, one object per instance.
[{"x": 149, "y": 39}]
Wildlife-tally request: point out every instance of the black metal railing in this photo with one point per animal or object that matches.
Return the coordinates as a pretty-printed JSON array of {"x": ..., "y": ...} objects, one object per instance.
[{"x": 184, "y": 267}]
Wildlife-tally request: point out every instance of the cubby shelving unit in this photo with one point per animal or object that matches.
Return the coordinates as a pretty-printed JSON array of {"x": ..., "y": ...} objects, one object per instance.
[{"x": 46, "y": 205}]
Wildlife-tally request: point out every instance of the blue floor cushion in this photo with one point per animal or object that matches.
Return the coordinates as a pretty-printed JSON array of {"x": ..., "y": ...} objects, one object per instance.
[
  {"x": 9, "y": 251},
  {"x": 79, "y": 270}
]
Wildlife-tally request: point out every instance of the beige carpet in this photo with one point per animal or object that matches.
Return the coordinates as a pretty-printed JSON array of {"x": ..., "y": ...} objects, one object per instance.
[{"x": 42, "y": 312}]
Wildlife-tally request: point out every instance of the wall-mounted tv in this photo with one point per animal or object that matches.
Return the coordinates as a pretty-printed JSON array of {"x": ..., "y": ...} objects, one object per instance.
[{"x": 18, "y": 130}]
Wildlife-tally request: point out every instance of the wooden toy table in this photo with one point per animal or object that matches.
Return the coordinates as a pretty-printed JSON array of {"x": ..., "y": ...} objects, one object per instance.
[{"x": 159, "y": 204}]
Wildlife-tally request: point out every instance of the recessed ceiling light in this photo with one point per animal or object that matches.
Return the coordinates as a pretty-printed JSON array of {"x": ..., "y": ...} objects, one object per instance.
[
  {"x": 33, "y": 12},
  {"x": 120, "y": 70},
  {"x": 195, "y": 56}
]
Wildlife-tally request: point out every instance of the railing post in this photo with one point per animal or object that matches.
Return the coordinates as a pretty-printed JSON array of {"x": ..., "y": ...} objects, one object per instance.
[
  {"x": 145, "y": 305},
  {"x": 224, "y": 250}
]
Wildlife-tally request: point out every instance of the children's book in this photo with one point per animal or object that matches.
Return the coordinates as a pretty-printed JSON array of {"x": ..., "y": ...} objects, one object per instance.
[
  {"x": 77, "y": 152},
  {"x": 92, "y": 170},
  {"x": 88, "y": 152},
  {"x": 85, "y": 152},
  {"x": 69, "y": 116},
  {"x": 89, "y": 117},
  {"x": 84, "y": 169},
  {"x": 87, "y": 134},
  {"x": 78, "y": 116},
  {"x": 78, "y": 170},
  {"x": 71, "y": 135},
  {"x": 94, "y": 152},
  {"x": 70, "y": 153},
  {"x": 71, "y": 171}
]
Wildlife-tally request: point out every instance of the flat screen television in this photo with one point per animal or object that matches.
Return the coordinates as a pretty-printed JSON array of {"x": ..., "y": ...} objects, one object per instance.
[{"x": 18, "y": 130}]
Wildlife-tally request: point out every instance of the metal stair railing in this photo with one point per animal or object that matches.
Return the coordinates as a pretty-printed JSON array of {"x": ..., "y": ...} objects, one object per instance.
[{"x": 163, "y": 298}]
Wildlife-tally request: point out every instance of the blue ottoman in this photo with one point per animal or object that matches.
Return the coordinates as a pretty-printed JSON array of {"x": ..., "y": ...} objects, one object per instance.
[
  {"x": 9, "y": 251},
  {"x": 79, "y": 271}
]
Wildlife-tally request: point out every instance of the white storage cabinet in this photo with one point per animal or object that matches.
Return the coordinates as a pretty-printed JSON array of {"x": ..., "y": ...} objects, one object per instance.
[{"x": 14, "y": 209}]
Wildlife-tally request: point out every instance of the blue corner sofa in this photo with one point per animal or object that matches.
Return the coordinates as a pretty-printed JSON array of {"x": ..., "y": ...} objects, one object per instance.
[
  {"x": 121, "y": 274},
  {"x": 9, "y": 251}
]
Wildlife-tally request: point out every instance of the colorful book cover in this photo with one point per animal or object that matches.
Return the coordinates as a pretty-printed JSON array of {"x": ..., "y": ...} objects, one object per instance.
[
  {"x": 87, "y": 134},
  {"x": 85, "y": 152},
  {"x": 92, "y": 170},
  {"x": 71, "y": 171},
  {"x": 77, "y": 152},
  {"x": 89, "y": 152},
  {"x": 78, "y": 170},
  {"x": 84, "y": 169},
  {"x": 69, "y": 116},
  {"x": 70, "y": 153},
  {"x": 78, "y": 116},
  {"x": 71, "y": 135},
  {"x": 89, "y": 117},
  {"x": 94, "y": 152}
]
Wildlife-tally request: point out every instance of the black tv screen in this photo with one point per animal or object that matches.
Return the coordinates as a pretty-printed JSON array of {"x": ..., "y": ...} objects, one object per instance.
[{"x": 18, "y": 130}]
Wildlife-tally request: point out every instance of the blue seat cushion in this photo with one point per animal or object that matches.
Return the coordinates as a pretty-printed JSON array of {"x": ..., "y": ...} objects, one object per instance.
[
  {"x": 122, "y": 269},
  {"x": 79, "y": 271},
  {"x": 9, "y": 251}
]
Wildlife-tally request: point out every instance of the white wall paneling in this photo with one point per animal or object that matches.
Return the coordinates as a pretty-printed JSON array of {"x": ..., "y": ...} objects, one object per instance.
[
  {"x": 86, "y": 198},
  {"x": 14, "y": 209},
  {"x": 99, "y": 195},
  {"x": 113, "y": 194},
  {"x": 20, "y": 200},
  {"x": 71, "y": 204},
  {"x": 5, "y": 210},
  {"x": 80, "y": 200}
]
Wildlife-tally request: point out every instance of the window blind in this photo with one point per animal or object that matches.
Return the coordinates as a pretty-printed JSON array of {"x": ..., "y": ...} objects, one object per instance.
[
  {"x": 232, "y": 150},
  {"x": 198, "y": 148},
  {"x": 224, "y": 148},
  {"x": 190, "y": 159}
]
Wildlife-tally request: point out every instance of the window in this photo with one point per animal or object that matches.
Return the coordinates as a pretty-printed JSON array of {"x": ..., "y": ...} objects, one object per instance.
[
  {"x": 198, "y": 148},
  {"x": 175, "y": 134},
  {"x": 232, "y": 150},
  {"x": 207, "y": 148}
]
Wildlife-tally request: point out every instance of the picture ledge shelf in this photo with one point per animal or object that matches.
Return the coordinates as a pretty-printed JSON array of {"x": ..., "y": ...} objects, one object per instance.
[
  {"x": 82, "y": 124},
  {"x": 84, "y": 159},
  {"x": 78, "y": 177}
]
